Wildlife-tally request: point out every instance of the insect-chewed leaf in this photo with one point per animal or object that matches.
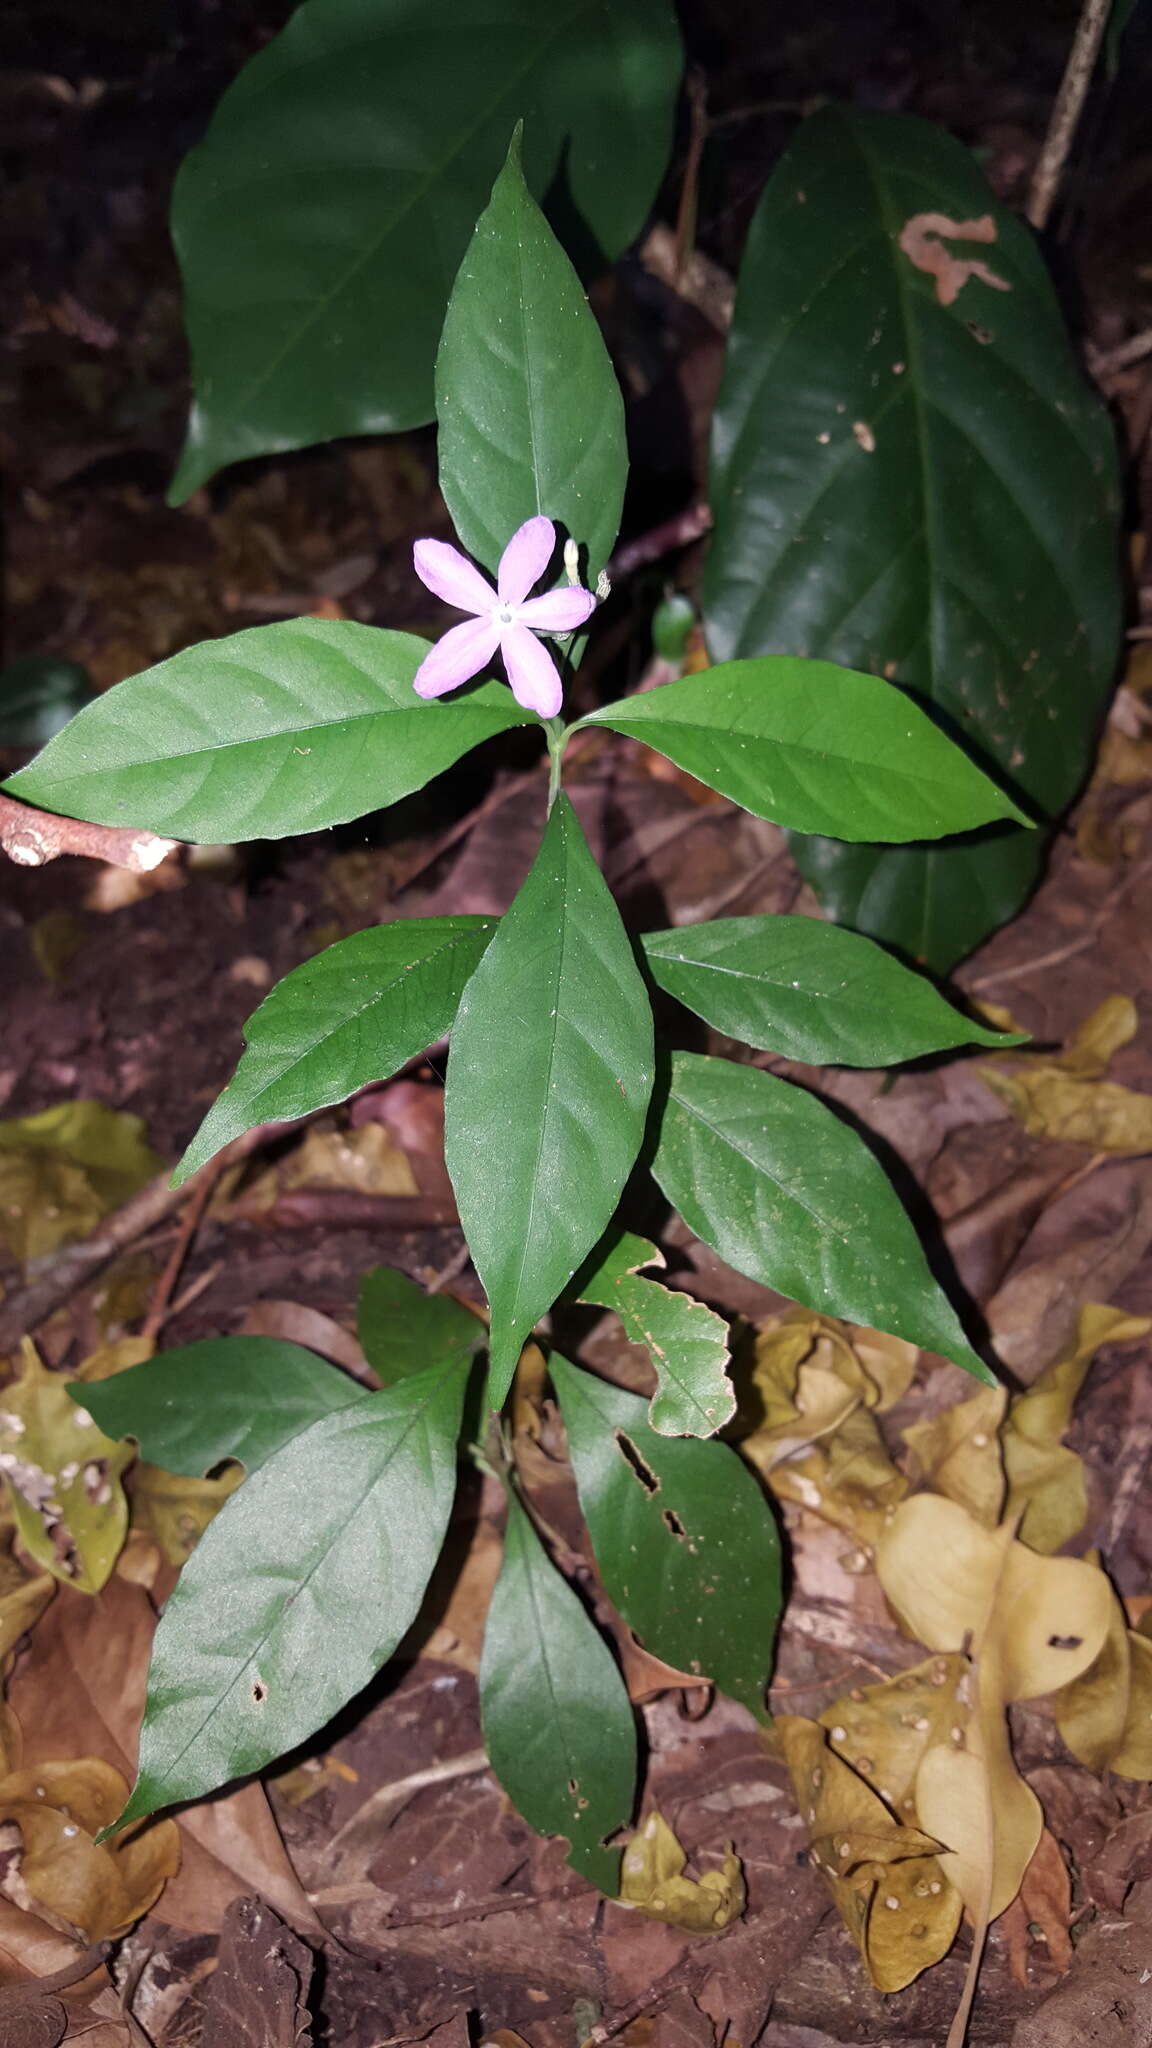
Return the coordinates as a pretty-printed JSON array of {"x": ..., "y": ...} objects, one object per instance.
[
  {"x": 687, "y": 1343},
  {"x": 548, "y": 1085},
  {"x": 557, "y": 1721},
  {"x": 784, "y": 1191},
  {"x": 353, "y": 1014},
  {"x": 530, "y": 417},
  {"x": 226, "y": 1397},
  {"x": 814, "y": 747},
  {"x": 279, "y": 729},
  {"x": 321, "y": 221},
  {"x": 684, "y": 1539},
  {"x": 269, "y": 1630},
  {"x": 911, "y": 475},
  {"x": 403, "y": 1330},
  {"x": 797, "y": 986},
  {"x": 653, "y": 1882},
  {"x": 64, "y": 1492}
]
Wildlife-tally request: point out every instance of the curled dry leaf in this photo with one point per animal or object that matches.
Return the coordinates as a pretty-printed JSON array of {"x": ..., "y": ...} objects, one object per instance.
[
  {"x": 1105, "y": 1715},
  {"x": 957, "y": 1453},
  {"x": 1066, "y": 1098},
  {"x": 1044, "y": 1904},
  {"x": 63, "y": 1477},
  {"x": 652, "y": 1880},
  {"x": 1046, "y": 1487},
  {"x": 96, "y": 1892},
  {"x": 1031, "y": 1624},
  {"x": 807, "y": 1423},
  {"x": 884, "y": 1874}
]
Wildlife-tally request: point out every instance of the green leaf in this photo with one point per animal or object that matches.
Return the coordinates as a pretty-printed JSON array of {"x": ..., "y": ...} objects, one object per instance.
[
  {"x": 320, "y": 223},
  {"x": 227, "y": 1397},
  {"x": 353, "y": 1014},
  {"x": 685, "y": 1541},
  {"x": 785, "y": 1192},
  {"x": 687, "y": 1343},
  {"x": 558, "y": 1726},
  {"x": 402, "y": 1330},
  {"x": 548, "y": 1084},
  {"x": 813, "y": 747},
  {"x": 529, "y": 410},
  {"x": 299, "y": 1590},
  {"x": 280, "y": 729},
  {"x": 926, "y": 491},
  {"x": 38, "y": 695},
  {"x": 796, "y": 986}
]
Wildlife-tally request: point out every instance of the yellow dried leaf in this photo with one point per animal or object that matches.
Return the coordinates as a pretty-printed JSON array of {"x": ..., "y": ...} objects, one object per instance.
[
  {"x": 1065, "y": 1098},
  {"x": 1105, "y": 1716},
  {"x": 1112, "y": 1024},
  {"x": 1030, "y": 1624},
  {"x": 98, "y": 1892},
  {"x": 63, "y": 1170},
  {"x": 883, "y": 1731},
  {"x": 116, "y": 1356},
  {"x": 22, "y": 1602},
  {"x": 957, "y": 1453},
  {"x": 653, "y": 1881},
  {"x": 63, "y": 1477},
  {"x": 1046, "y": 1486},
  {"x": 367, "y": 1160},
  {"x": 848, "y": 1478},
  {"x": 175, "y": 1510},
  {"x": 886, "y": 1880}
]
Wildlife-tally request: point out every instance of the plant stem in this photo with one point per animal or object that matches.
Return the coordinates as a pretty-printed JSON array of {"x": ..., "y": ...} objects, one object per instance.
[
  {"x": 555, "y": 729},
  {"x": 1067, "y": 110}
]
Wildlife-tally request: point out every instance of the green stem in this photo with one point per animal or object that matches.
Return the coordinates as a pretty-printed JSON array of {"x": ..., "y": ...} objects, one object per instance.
[{"x": 555, "y": 729}]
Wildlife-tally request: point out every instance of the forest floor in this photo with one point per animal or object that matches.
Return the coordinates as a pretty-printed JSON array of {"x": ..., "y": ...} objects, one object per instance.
[{"x": 422, "y": 1904}]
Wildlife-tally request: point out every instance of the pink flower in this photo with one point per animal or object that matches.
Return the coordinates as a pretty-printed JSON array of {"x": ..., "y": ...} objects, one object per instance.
[{"x": 505, "y": 618}]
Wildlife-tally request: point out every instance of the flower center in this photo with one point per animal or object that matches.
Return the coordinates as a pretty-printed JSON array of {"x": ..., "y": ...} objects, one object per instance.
[{"x": 504, "y": 614}]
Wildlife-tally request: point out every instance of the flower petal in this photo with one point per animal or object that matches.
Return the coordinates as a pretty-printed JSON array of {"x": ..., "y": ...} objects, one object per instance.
[
  {"x": 461, "y": 653},
  {"x": 531, "y": 672},
  {"x": 450, "y": 575},
  {"x": 558, "y": 611},
  {"x": 525, "y": 559}
]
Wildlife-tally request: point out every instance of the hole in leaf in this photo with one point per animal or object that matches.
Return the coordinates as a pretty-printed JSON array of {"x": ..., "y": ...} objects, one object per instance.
[
  {"x": 259, "y": 1692},
  {"x": 1064, "y": 1642},
  {"x": 631, "y": 1456},
  {"x": 673, "y": 1523}
]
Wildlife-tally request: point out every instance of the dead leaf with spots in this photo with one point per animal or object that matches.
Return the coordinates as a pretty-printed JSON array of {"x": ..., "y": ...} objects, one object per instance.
[
  {"x": 884, "y": 1874},
  {"x": 883, "y": 1731},
  {"x": 96, "y": 1892},
  {"x": 958, "y": 1453},
  {"x": 652, "y": 1880},
  {"x": 63, "y": 1477},
  {"x": 1105, "y": 1715},
  {"x": 920, "y": 240},
  {"x": 1030, "y": 1624},
  {"x": 1046, "y": 1487}
]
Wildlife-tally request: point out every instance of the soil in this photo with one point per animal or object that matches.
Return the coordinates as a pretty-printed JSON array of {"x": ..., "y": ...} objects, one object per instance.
[{"x": 447, "y": 1915}]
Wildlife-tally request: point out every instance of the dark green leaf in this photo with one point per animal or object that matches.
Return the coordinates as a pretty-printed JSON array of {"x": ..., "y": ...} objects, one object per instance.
[
  {"x": 353, "y": 1014},
  {"x": 548, "y": 1084},
  {"x": 299, "y": 1590},
  {"x": 321, "y": 222},
  {"x": 813, "y": 747},
  {"x": 795, "y": 986},
  {"x": 280, "y": 729},
  {"x": 557, "y": 1722},
  {"x": 529, "y": 410},
  {"x": 786, "y": 1193},
  {"x": 686, "y": 1342},
  {"x": 38, "y": 695},
  {"x": 924, "y": 490},
  {"x": 402, "y": 1330},
  {"x": 228, "y": 1397},
  {"x": 685, "y": 1540}
]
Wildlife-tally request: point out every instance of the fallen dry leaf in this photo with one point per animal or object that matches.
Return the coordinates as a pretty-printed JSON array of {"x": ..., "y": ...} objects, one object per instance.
[
  {"x": 95, "y": 1891},
  {"x": 64, "y": 1169},
  {"x": 78, "y": 1689},
  {"x": 1046, "y": 1486},
  {"x": 958, "y": 1453},
  {"x": 1042, "y": 1912},
  {"x": 652, "y": 1880},
  {"x": 884, "y": 1874},
  {"x": 1105, "y": 1715},
  {"x": 63, "y": 1477},
  {"x": 173, "y": 1509},
  {"x": 1066, "y": 1099}
]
